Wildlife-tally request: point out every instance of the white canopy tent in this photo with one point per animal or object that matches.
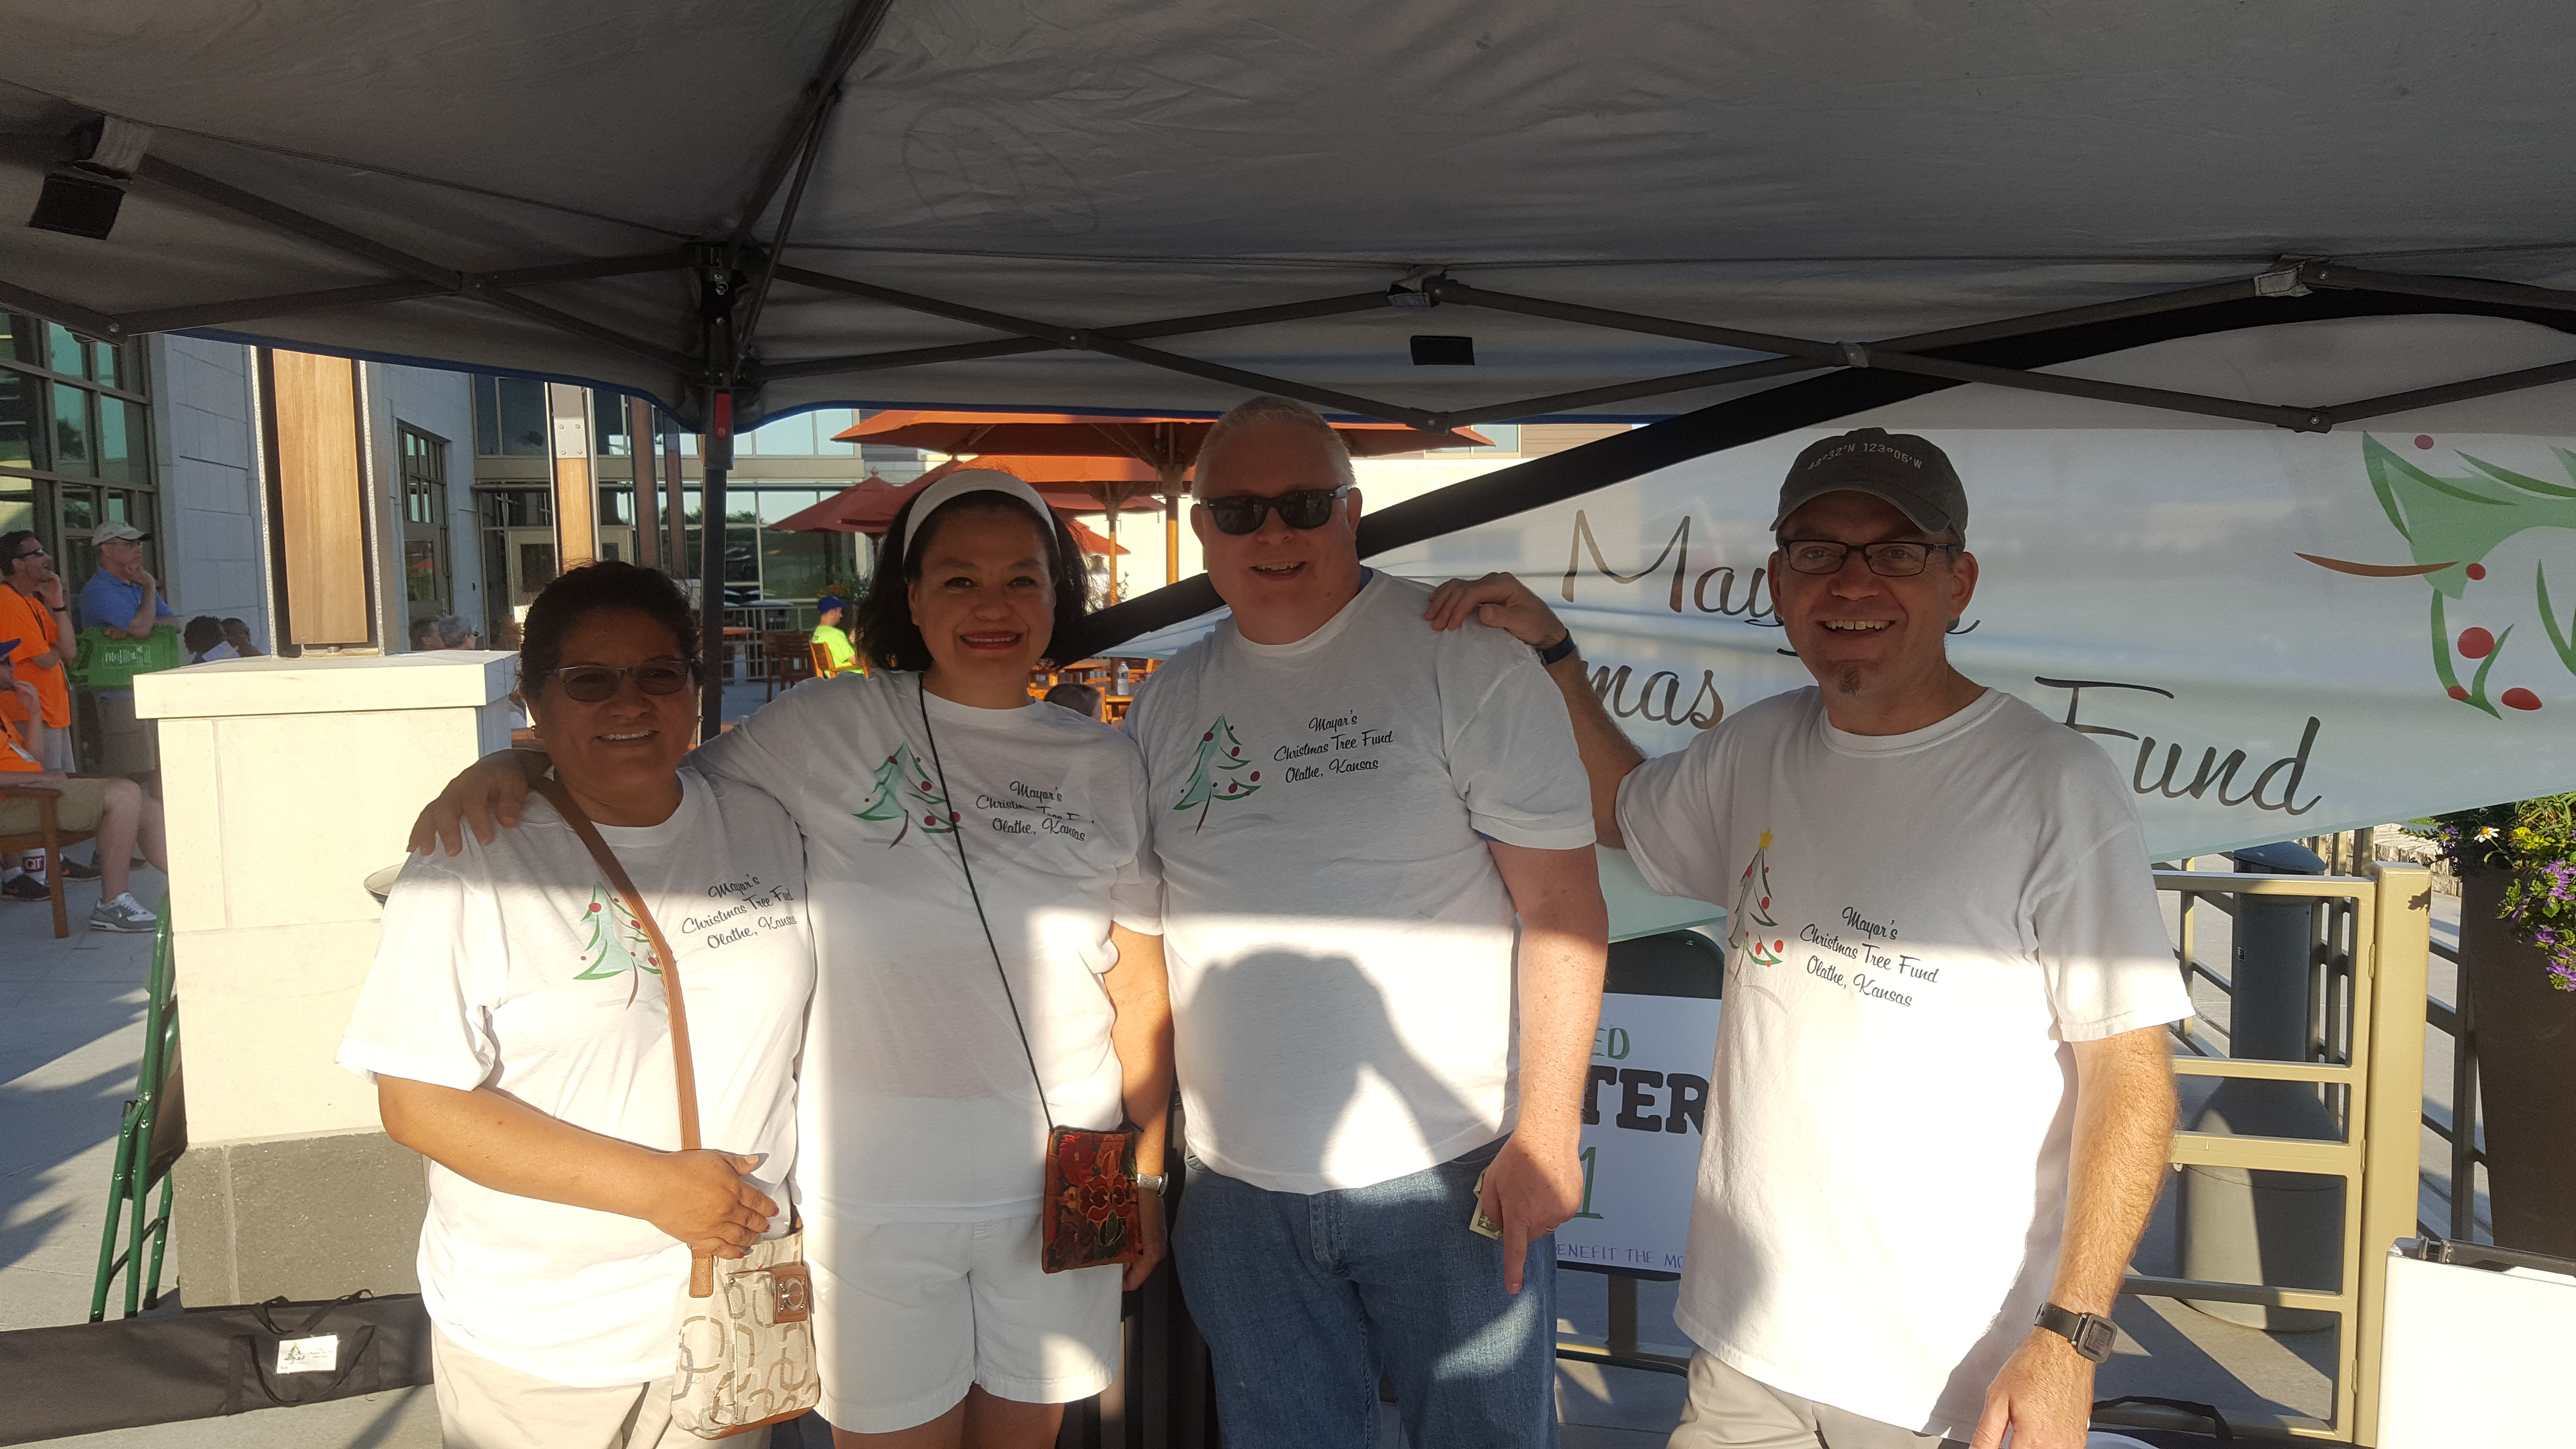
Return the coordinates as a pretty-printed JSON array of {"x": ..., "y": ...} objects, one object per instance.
[{"x": 1765, "y": 217}]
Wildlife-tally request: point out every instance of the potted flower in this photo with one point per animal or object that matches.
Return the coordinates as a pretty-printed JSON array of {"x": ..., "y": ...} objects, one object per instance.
[{"x": 2517, "y": 867}]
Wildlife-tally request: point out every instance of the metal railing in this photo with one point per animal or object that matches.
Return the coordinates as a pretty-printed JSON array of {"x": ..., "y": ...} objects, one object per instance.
[
  {"x": 2371, "y": 939},
  {"x": 2462, "y": 1131}
]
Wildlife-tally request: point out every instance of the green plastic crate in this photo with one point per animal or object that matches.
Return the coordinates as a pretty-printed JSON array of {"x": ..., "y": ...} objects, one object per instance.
[{"x": 104, "y": 663}]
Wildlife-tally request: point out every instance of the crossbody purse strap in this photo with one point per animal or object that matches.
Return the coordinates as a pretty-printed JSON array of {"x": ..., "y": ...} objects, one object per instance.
[
  {"x": 931, "y": 737},
  {"x": 684, "y": 1073}
]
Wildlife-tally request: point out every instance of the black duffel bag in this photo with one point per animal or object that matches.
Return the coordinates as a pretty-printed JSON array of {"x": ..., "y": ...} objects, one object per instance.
[{"x": 207, "y": 1362}]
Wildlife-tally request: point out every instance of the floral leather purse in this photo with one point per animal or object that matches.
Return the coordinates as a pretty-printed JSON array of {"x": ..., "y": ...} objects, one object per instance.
[
  {"x": 746, "y": 1336},
  {"x": 1092, "y": 1214}
]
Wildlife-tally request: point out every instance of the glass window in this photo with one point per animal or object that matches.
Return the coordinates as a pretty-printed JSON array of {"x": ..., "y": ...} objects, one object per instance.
[
  {"x": 487, "y": 417},
  {"x": 24, "y": 344},
  {"x": 522, "y": 414},
  {"x": 103, "y": 363},
  {"x": 80, "y": 512},
  {"x": 608, "y": 423},
  {"x": 616, "y": 505},
  {"x": 420, "y": 571},
  {"x": 828, "y": 421},
  {"x": 17, "y": 504},
  {"x": 71, "y": 430},
  {"x": 120, "y": 430},
  {"x": 63, "y": 351},
  {"x": 22, "y": 434},
  {"x": 786, "y": 438}
]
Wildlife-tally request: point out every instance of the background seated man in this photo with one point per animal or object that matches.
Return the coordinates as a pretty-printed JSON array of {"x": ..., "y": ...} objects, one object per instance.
[
  {"x": 424, "y": 634},
  {"x": 837, "y": 649},
  {"x": 118, "y": 810},
  {"x": 206, "y": 643},
  {"x": 456, "y": 632},
  {"x": 1082, "y": 699},
  {"x": 237, "y": 634}
]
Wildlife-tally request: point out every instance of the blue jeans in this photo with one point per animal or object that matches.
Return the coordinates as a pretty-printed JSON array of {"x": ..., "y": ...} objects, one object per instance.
[{"x": 1306, "y": 1298}]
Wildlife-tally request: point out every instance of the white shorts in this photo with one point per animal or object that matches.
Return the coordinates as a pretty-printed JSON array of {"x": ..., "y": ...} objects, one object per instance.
[{"x": 908, "y": 1316}]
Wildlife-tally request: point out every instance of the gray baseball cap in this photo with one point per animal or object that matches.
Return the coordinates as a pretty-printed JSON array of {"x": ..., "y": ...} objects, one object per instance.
[
  {"x": 117, "y": 533},
  {"x": 1907, "y": 471}
]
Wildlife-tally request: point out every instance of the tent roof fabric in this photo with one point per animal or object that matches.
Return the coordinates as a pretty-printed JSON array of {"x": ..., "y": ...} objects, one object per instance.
[{"x": 1014, "y": 189}]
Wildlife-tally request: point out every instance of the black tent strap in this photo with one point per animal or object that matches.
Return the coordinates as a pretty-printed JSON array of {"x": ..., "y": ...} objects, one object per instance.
[{"x": 1738, "y": 421}]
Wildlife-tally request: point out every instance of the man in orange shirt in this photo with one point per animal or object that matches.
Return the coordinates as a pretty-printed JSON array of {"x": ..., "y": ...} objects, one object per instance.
[
  {"x": 117, "y": 809},
  {"x": 31, "y": 611}
]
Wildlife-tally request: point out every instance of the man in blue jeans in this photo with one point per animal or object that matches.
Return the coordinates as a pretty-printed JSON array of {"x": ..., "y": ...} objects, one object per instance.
[{"x": 1351, "y": 809}]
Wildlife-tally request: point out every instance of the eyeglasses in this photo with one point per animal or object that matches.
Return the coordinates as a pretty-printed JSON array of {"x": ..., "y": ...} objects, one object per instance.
[
  {"x": 591, "y": 683},
  {"x": 36, "y": 552},
  {"x": 1305, "y": 508},
  {"x": 1897, "y": 560}
]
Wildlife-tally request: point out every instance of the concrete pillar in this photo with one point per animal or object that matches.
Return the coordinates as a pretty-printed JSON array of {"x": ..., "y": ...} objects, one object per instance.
[{"x": 287, "y": 782}]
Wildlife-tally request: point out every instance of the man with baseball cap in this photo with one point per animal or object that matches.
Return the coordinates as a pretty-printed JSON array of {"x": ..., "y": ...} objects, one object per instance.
[
  {"x": 1940, "y": 1109},
  {"x": 123, "y": 601},
  {"x": 117, "y": 811},
  {"x": 122, "y": 597}
]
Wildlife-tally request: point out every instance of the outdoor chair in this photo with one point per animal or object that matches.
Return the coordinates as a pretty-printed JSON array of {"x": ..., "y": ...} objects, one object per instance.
[
  {"x": 16, "y": 803},
  {"x": 819, "y": 657},
  {"x": 783, "y": 663}
]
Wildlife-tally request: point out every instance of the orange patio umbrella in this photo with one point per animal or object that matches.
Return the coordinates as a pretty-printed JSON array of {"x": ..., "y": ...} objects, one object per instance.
[{"x": 1167, "y": 446}]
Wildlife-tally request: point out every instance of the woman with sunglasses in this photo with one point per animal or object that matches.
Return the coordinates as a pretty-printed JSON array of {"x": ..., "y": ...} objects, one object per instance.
[
  {"x": 986, "y": 909},
  {"x": 516, "y": 1028}
]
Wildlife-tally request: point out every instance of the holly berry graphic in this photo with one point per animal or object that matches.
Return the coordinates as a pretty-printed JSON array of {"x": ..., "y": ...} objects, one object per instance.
[
  {"x": 903, "y": 787},
  {"x": 1204, "y": 788}
]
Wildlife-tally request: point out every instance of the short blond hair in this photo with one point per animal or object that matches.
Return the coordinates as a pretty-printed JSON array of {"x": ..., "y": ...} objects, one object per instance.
[{"x": 1269, "y": 408}]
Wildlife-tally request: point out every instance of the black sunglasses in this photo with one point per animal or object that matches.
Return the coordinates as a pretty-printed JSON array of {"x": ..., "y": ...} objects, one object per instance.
[
  {"x": 1305, "y": 508},
  {"x": 591, "y": 683}
]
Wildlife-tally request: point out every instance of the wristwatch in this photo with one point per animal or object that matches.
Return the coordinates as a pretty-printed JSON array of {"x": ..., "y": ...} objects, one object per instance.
[
  {"x": 2091, "y": 1333},
  {"x": 1150, "y": 1181},
  {"x": 1557, "y": 650}
]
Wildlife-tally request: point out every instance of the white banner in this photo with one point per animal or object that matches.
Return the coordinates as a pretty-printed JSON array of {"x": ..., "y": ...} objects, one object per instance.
[
  {"x": 2271, "y": 634},
  {"x": 1644, "y": 1114}
]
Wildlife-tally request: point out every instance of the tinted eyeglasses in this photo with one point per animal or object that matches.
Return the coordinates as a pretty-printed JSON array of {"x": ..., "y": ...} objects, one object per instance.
[
  {"x": 591, "y": 683},
  {"x": 1897, "y": 560},
  {"x": 1305, "y": 508}
]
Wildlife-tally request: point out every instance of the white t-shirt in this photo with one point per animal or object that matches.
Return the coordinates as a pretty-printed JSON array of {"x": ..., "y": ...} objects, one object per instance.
[
  {"x": 1340, "y": 943},
  {"x": 514, "y": 966},
  {"x": 918, "y": 1101},
  {"x": 1918, "y": 924}
]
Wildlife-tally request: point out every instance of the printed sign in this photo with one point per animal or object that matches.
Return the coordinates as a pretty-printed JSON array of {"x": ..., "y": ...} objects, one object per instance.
[
  {"x": 2270, "y": 635},
  {"x": 317, "y": 1354},
  {"x": 1645, "y": 1112}
]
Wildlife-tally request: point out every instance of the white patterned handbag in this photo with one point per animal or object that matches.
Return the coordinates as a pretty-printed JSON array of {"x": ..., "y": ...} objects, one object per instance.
[{"x": 747, "y": 1340}]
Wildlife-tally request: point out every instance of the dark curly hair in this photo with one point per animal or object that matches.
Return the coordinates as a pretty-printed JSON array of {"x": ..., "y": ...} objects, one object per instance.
[
  {"x": 579, "y": 592},
  {"x": 886, "y": 632}
]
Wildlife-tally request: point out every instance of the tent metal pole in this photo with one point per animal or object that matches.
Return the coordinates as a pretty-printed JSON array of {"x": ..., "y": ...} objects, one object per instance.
[
  {"x": 908, "y": 357},
  {"x": 2424, "y": 397},
  {"x": 2455, "y": 289},
  {"x": 640, "y": 457},
  {"x": 748, "y": 327},
  {"x": 1622, "y": 392},
  {"x": 313, "y": 228},
  {"x": 858, "y": 27},
  {"x": 2148, "y": 305},
  {"x": 217, "y": 314},
  {"x": 1017, "y": 346}
]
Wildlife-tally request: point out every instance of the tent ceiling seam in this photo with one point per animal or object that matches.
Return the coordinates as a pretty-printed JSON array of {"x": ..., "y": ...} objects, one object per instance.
[{"x": 857, "y": 30}]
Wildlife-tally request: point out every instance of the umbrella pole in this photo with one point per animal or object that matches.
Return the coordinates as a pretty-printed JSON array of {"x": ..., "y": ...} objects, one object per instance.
[
  {"x": 1113, "y": 550},
  {"x": 1171, "y": 521}
]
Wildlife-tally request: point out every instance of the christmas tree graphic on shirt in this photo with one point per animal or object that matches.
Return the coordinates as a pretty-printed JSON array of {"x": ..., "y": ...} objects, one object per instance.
[
  {"x": 1220, "y": 754},
  {"x": 903, "y": 792},
  {"x": 617, "y": 945},
  {"x": 1751, "y": 919}
]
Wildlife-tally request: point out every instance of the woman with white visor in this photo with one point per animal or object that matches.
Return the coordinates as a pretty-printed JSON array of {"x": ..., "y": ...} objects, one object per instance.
[{"x": 954, "y": 826}]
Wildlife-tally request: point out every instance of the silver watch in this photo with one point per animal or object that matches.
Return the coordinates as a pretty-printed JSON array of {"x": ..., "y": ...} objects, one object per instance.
[{"x": 1150, "y": 1181}]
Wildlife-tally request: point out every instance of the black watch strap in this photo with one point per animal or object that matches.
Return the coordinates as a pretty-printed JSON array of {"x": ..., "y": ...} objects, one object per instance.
[
  {"x": 1557, "y": 650},
  {"x": 2092, "y": 1334}
]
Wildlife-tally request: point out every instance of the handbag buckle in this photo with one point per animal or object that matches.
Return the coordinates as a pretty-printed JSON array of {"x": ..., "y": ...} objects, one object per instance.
[{"x": 791, "y": 1293}]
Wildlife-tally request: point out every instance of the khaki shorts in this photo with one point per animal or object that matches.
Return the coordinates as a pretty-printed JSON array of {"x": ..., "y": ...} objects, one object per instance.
[
  {"x": 485, "y": 1405},
  {"x": 1729, "y": 1409},
  {"x": 77, "y": 812}
]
